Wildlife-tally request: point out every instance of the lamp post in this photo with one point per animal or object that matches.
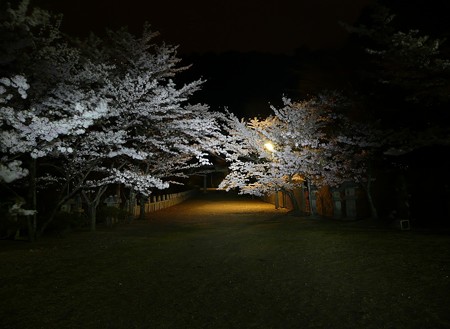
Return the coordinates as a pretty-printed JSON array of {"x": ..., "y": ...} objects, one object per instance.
[{"x": 269, "y": 147}]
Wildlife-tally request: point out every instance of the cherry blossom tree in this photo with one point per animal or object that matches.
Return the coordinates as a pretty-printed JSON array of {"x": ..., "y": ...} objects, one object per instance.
[
  {"x": 30, "y": 134},
  {"x": 302, "y": 141},
  {"x": 152, "y": 135},
  {"x": 46, "y": 97},
  {"x": 104, "y": 112}
]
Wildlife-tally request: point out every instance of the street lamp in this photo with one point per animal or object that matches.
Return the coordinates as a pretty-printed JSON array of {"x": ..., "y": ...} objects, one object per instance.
[{"x": 269, "y": 147}]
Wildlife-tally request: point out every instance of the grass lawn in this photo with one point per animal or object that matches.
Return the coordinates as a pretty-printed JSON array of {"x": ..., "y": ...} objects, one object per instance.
[{"x": 214, "y": 263}]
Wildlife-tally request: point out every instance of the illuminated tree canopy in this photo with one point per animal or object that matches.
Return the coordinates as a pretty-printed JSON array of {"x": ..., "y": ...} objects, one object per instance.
[
  {"x": 311, "y": 142},
  {"x": 105, "y": 112}
]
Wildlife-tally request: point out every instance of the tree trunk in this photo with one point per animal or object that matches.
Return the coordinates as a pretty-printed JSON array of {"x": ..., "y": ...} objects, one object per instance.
[
  {"x": 61, "y": 200},
  {"x": 55, "y": 210},
  {"x": 92, "y": 205},
  {"x": 50, "y": 219},
  {"x": 92, "y": 215},
  {"x": 131, "y": 204},
  {"x": 373, "y": 209},
  {"x": 32, "y": 200},
  {"x": 32, "y": 236},
  {"x": 294, "y": 201},
  {"x": 277, "y": 202},
  {"x": 403, "y": 203},
  {"x": 311, "y": 209},
  {"x": 142, "y": 200},
  {"x": 368, "y": 188}
]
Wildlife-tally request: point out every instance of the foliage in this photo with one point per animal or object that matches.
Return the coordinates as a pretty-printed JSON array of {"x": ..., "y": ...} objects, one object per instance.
[
  {"x": 44, "y": 96},
  {"x": 97, "y": 112},
  {"x": 311, "y": 141},
  {"x": 405, "y": 71}
]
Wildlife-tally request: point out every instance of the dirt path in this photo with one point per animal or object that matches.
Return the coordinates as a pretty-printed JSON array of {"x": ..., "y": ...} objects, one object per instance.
[{"x": 217, "y": 207}]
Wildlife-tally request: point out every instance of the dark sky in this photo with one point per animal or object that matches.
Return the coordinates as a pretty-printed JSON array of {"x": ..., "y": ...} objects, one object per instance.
[
  {"x": 275, "y": 26},
  {"x": 263, "y": 32}
]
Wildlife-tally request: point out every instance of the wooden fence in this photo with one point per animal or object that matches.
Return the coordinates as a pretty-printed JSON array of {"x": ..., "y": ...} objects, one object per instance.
[
  {"x": 345, "y": 203},
  {"x": 159, "y": 202}
]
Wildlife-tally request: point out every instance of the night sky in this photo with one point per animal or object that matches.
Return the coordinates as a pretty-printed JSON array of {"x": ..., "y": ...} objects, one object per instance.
[
  {"x": 275, "y": 26},
  {"x": 251, "y": 53}
]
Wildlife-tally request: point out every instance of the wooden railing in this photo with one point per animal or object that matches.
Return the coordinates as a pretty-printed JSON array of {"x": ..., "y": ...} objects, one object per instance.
[{"x": 159, "y": 202}]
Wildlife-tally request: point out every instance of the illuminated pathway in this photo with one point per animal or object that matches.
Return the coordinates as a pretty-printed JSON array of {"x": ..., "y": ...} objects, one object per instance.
[{"x": 218, "y": 206}]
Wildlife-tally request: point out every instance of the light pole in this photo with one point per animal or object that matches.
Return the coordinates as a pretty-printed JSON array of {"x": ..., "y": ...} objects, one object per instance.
[{"x": 269, "y": 147}]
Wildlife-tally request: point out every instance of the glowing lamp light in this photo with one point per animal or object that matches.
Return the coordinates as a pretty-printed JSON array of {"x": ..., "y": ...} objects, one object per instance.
[{"x": 269, "y": 147}]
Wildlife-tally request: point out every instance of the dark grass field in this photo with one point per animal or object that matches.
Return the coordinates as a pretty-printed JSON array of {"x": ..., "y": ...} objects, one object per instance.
[{"x": 223, "y": 262}]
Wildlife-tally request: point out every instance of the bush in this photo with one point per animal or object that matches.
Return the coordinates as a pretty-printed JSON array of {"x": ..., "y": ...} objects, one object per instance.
[{"x": 112, "y": 215}]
